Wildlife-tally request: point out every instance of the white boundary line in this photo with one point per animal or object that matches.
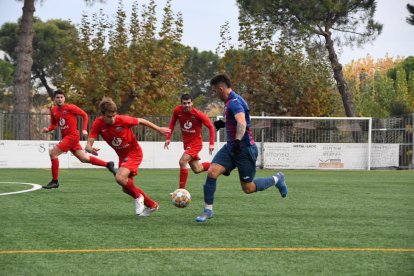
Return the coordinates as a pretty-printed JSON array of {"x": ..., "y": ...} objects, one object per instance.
[{"x": 34, "y": 188}]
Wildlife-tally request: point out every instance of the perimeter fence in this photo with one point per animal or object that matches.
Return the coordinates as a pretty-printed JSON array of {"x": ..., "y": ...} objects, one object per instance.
[{"x": 397, "y": 130}]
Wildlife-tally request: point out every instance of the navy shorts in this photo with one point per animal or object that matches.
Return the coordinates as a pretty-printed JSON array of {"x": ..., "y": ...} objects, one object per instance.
[{"x": 245, "y": 162}]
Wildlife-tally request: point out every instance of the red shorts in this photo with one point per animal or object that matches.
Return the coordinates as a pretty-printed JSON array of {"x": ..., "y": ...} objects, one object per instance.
[
  {"x": 131, "y": 162},
  {"x": 193, "y": 149},
  {"x": 70, "y": 142}
]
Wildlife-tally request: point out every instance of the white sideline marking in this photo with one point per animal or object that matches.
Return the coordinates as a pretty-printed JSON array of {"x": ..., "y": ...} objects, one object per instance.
[{"x": 34, "y": 188}]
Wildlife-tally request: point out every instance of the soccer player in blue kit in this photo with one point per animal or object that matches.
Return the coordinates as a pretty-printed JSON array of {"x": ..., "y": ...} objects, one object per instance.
[{"x": 239, "y": 152}]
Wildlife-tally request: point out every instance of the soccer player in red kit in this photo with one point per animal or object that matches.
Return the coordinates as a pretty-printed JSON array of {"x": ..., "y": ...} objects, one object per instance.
[
  {"x": 64, "y": 116},
  {"x": 116, "y": 130},
  {"x": 191, "y": 121}
]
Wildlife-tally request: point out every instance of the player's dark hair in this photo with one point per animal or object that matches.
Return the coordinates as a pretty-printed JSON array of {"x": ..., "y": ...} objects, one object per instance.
[
  {"x": 107, "y": 104},
  {"x": 58, "y": 92},
  {"x": 221, "y": 78},
  {"x": 186, "y": 97}
]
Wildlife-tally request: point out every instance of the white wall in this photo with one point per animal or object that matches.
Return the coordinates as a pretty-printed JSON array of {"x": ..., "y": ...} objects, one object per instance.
[
  {"x": 35, "y": 154},
  {"x": 346, "y": 156}
]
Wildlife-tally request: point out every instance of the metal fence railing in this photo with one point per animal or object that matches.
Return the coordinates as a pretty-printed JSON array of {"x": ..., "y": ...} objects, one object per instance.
[
  {"x": 386, "y": 130},
  {"x": 40, "y": 120}
]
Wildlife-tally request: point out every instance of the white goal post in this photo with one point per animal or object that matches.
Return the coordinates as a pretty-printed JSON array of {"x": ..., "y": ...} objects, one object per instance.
[{"x": 318, "y": 143}]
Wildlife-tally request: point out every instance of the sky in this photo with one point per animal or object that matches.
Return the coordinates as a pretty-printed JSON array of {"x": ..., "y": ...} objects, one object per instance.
[{"x": 203, "y": 18}]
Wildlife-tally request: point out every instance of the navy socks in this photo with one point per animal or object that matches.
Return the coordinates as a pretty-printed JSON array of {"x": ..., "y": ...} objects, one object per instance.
[
  {"x": 209, "y": 190},
  {"x": 264, "y": 183}
]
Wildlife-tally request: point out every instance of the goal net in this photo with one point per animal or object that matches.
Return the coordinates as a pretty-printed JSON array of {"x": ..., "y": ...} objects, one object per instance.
[{"x": 318, "y": 143}]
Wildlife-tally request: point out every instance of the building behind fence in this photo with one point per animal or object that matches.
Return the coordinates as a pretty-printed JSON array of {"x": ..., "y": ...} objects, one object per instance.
[{"x": 284, "y": 130}]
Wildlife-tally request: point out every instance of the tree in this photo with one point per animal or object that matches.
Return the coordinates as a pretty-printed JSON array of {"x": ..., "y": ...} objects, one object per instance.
[
  {"x": 407, "y": 65},
  {"x": 382, "y": 88},
  {"x": 351, "y": 20},
  {"x": 24, "y": 61},
  {"x": 276, "y": 77},
  {"x": 281, "y": 82},
  {"x": 49, "y": 43},
  {"x": 22, "y": 77},
  {"x": 140, "y": 68},
  {"x": 198, "y": 69},
  {"x": 6, "y": 81},
  {"x": 410, "y": 19}
]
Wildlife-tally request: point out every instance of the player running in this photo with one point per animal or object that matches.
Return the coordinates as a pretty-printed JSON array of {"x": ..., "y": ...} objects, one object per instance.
[
  {"x": 191, "y": 122},
  {"x": 64, "y": 116},
  {"x": 239, "y": 152},
  {"x": 116, "y": 130}
]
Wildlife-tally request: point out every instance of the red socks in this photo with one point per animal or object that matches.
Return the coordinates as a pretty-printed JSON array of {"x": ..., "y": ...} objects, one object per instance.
[
  {"x": 184, "y": 174},
  {"x": 55, "y": 168},
  {"x": 183, "y": 178},
  {"x": 97, "y": 162},
  {"x": 135, "y": 192}
]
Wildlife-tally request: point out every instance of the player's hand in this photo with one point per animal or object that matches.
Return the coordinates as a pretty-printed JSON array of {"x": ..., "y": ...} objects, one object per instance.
[
  {"x": 95, "y": 151},
  {"x": 211, "y": 149},
  {"x": 237, "y": 147},
  {"x": 164, "y": 131},
  {"x": 91, "y": 150},
  {"x": 84, "y": 133},
  {"x": 166, "y": 144},
  {"x": 219, "y": 124},
  {"x": 45, "y": 130}
]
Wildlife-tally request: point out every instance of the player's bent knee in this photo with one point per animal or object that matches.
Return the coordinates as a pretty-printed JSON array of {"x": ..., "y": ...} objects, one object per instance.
[
  {"x": 53, "y": 152},
  {"x": 121, "y": 181},
  {"x": 197, "y": 171},
  {"x": 215, "y": 171},
  {"x": 213, "y": 174},
  {"x": 248, "y": 188}
]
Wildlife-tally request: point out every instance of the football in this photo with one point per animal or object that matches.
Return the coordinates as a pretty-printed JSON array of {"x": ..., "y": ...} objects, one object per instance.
[{"x": 181, "y": 198}]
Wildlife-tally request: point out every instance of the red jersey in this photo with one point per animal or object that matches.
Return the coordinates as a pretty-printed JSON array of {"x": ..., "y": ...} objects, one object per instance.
[
  {"x": 65, "y": 118},
  {"x": 119, "y": 135},
  {"x": 191, "y": 124}
]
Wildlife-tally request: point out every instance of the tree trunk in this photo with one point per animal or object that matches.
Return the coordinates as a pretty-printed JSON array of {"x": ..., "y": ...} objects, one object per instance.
[
  {"x": 127, "y": 104},
  {"x": 41, "y": 75},
  {"x": 343, "y": 89},
  {"x": 339, "y": 78},
  {"x": 22, "y": 84}
]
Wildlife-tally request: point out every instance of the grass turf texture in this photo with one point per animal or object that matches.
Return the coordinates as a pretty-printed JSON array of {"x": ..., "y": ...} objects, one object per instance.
[{"x": 324, "y": 209}]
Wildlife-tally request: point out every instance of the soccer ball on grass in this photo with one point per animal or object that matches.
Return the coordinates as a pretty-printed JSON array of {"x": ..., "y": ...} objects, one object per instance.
[{"x": 181, "y": 198}]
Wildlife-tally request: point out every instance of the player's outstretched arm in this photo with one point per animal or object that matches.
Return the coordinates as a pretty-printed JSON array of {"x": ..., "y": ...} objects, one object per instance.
[{"x": 163, "y": 130}]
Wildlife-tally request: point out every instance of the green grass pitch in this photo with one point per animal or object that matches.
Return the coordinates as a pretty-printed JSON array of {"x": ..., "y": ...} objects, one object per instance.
[{"x": 331, "y": 223}]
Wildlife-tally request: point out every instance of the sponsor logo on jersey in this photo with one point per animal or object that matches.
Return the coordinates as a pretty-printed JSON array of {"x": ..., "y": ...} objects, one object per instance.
[
  {"x": 188, "y": 125},
  {"x": 116, "y": 142},
  {"x": 62, "y": 122}
]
